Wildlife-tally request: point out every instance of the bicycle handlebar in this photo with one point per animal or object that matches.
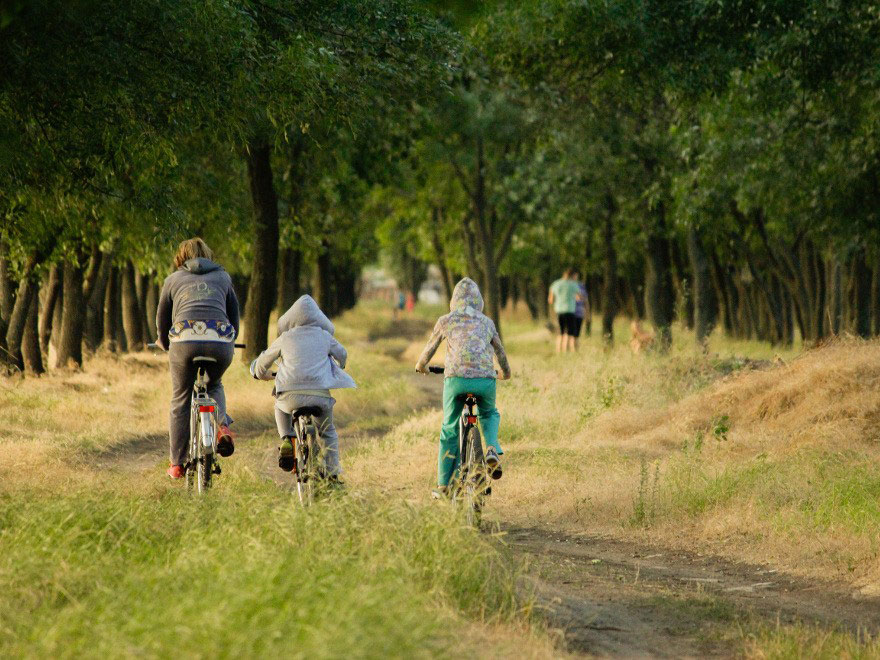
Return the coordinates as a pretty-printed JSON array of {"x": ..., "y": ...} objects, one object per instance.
[
  {"x": 440, "y": 369},
  {"x": 153, "y": 345}
]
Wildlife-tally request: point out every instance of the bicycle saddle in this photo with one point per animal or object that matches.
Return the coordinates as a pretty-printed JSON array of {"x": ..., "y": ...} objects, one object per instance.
[
  {"x": 203, "y": 359},
  {"x": 307, "y": 411}
]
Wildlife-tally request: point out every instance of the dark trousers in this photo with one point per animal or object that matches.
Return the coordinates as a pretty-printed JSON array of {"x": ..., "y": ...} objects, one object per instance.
[{"x": 183, "y": 377}]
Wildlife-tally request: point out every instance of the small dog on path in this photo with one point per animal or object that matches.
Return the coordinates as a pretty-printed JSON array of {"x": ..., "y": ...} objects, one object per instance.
[{"x": 641, "y": 338}]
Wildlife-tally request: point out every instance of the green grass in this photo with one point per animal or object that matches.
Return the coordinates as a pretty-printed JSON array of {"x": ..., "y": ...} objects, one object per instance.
[
  {"x": 810, "y": 490},
  {"x": 114, "y": 574}
]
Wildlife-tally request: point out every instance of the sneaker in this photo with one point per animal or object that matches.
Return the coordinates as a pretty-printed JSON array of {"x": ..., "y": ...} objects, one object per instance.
[
  {"x": 335, "y": 483},
  {"x": 225, "y": 445},
  {"x": 176, "y": 472},
  {"x": 440, "y": 493},
  {"x": 493, "y": 462},
  {"x": 286, "y": 458}
]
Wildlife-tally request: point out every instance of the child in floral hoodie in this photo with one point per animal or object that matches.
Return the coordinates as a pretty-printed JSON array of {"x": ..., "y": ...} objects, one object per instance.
[{"x": 471, "y": 338}]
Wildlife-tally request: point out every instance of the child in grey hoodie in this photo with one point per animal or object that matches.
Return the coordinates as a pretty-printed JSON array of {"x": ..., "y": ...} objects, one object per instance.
[{"x": 311, "y": 365}]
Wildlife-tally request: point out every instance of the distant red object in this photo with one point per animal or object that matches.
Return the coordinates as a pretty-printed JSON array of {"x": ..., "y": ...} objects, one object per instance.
[{"x": 410, "y": 302}]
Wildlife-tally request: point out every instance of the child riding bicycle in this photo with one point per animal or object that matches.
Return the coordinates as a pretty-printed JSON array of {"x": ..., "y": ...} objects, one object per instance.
[
  {"x": 311, "y": 365},
  {"x": 471, "y": 338}
]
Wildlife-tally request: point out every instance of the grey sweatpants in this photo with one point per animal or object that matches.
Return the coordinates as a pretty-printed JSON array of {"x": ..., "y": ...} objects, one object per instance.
[
  {"x": 287, "y": 402},
  {"x": 183, "y": 376}
]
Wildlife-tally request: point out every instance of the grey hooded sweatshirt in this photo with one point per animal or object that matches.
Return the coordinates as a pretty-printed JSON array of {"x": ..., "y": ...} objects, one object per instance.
[
  {"x": 307, "y": 350},
  {"x": 200, "y": 290}
]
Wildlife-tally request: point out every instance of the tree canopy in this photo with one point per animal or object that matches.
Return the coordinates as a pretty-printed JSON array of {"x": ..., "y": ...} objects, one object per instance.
[{"x": 711, "y": 162}]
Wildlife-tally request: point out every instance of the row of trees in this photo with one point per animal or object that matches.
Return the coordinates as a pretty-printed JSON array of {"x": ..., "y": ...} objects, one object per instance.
[
  {"x": 259, "y": 124},
  {"x": 714, "y": 162}
]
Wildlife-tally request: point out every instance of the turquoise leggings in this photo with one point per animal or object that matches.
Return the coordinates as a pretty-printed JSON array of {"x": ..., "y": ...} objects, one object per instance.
[{"x": 454, "y": 389}]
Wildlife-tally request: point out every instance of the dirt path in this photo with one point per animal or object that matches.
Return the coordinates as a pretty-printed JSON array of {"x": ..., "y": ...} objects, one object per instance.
[{"x": 610, "y": 597}]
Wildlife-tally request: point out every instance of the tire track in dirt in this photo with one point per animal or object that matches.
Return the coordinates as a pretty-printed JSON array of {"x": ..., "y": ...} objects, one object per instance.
[{"x": 612, "y": 597}]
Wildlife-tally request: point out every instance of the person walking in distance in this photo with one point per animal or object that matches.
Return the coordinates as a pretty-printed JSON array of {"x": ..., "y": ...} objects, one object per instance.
[
  {"x": 582, "y": 309},
  {"x": 564, "y": 295}
]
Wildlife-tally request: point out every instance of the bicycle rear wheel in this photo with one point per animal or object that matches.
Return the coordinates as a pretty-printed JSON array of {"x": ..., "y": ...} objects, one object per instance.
[
  {"x": 192, "y": 455},
  {"x": 305, "y": 475},
  {"x": 473, "y": 477},
  {"x": 205, "y": 470},
  {"x": 201, "y": 461}
]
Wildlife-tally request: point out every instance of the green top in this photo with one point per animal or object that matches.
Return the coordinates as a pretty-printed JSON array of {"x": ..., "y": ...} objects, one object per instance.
[{"x": 564, "y": 296}]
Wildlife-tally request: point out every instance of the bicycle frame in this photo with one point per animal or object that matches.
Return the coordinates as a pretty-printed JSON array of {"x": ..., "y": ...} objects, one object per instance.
[{"x": 466, "y": 422}]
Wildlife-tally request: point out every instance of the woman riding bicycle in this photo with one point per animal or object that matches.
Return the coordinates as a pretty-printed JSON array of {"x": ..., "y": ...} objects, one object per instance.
[{"x": 197, "y": 317}]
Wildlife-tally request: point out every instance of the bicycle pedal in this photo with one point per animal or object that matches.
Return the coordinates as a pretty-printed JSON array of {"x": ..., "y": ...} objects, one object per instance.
[{"x": 217, "y": 469}]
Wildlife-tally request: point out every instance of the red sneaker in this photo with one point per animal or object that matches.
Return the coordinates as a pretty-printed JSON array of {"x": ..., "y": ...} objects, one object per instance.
[
  {"x": 225, "y": 445},
  {"x": 176, "y": 472}
]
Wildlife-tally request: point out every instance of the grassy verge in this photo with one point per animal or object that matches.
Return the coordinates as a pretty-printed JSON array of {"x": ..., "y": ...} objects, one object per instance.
[{"x": 240, "y": 573}]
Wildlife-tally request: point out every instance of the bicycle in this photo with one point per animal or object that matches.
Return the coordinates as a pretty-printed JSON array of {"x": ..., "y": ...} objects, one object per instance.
[
  {"x": 471, "y": 486},
  {"x": 201, "y": 462},
  {"x": 307, "y": 470},
  {"x": 305, "y": 465}
]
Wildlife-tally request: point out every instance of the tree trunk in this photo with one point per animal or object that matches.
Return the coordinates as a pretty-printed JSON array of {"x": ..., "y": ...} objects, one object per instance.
[
  {"x": 50, "y": 302},
  {"x": 345, "y": 278},
  {"x": 721, "y": 293},
  {"x": 682, "y": 286},
  {"x": 440, "y": 251},
  {"x": 289, "y": 268},
  {"x": 705, "y": 302},
  {"x": 659, "y": 295},
  {"x": 111, "y": 307},
  {"x": 151, "y": 305},
  {"x": 96, "y": 258},
  {"x": 492, "y": 294},
  {"x": 58, "y": 312},
  {"x": 72, "y": 317},
  {"x": 835, "y": 305},
  {"x": 862, "y": 282},
  {"x": 121, "y": 339},
  {"x": 324, "y": 281},
  {"x": 609, "y": 279},
  {"x": 30, "y": 344},
  {"x": 94, "y": 331},
  {"x": 528, "y": 294},
  {"x": 132, "y": 316},
  {"x": 262, "y": 292},
  {"x": 875, "y": 294},
  {"x": 27, "y": 291},
  {"x": 7, "y": 288},
  {"x": 143, "y": 282}
]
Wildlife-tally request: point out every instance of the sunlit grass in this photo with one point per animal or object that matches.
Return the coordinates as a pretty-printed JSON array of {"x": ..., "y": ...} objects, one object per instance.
[{"x": 243, "y": 572}]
